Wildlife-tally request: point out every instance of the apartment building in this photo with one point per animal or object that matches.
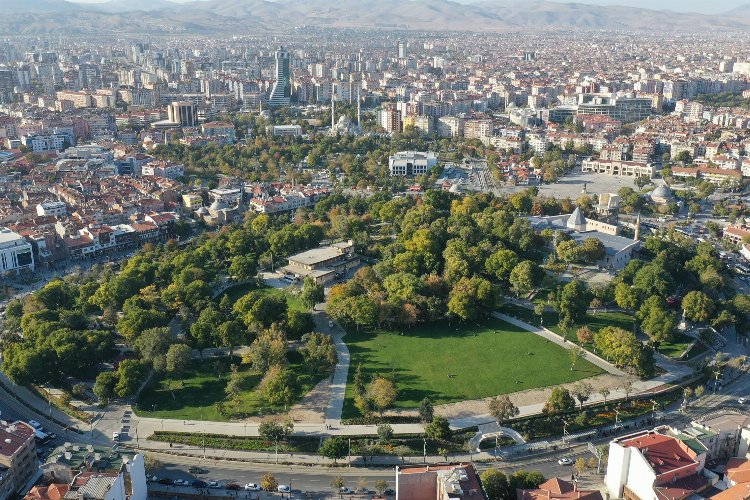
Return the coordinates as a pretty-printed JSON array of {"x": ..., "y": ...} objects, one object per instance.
[{"x": 18, "y": 462}]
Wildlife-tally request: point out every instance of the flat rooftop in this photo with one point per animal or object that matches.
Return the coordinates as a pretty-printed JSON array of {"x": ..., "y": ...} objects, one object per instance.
[
  {"x": 316, "y": 255},
  {"x": 14, "y": 436}
]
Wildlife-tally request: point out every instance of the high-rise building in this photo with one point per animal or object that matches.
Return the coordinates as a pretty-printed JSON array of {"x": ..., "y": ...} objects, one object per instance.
[
  {"x": 6, "y": 85},
  {"x": 402, "y": 50},
  {"x": 184, "y": 113},
  {"x": 281, "y": 92}
]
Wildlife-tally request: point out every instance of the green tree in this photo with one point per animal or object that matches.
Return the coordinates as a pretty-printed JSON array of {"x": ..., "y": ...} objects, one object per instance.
[
  {"x": 319, "y": 352},
  {"x": 697, "y": 306},
  {"x": 104, "y": 387},
  {"x": 525, "y": 276},
  {"x": 625, "y": 296},
  {"x": 426, "y": 410},
  {"x": 438, "y": 430},
  {"x": 311, "y": 293},
  {"x": 574, "y": 300},
  {"x": 500, "y": 264},
  {"x": 582, "y": 392},
  {"x": 130, "y": 376},
  {"x": 280, "y": 386},
  {"x": 276, "y": 430},
  {"x": 472, "y": 298},
  {"x": 559, "y": 401},
  {"x": 385, "y": 433},
  {"x": 334, "y": 448},
  {"x": 178, "y": 358},
  {"x": 152, "y": 343},
  {"x": 495, "y": 484}
]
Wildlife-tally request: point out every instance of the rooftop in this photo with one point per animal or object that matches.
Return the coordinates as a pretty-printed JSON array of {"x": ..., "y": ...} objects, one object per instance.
[
  {"x": 14, "y": 436},
  {"x": 556, "y": 488},
  {"x": 662, "y": 452},
  {"x": 317, "y": 255}
]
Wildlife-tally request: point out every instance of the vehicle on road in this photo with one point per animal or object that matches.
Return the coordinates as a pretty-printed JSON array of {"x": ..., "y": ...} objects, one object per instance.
[
  {"x": 565, "y": 461},
  {"x": 252, "y": 487},
  {"x": 233, "y": 487},
  {"x": 198, "y": 484},
  {"x": 165, "y": 481},
  {"x": 389, "y": 492},
  {"x": 283, "y": 488},
  {"x": 35, "y": 424},
  {"x": 194, "y": 469},
  {"x": 345, "y": 491},
  {"x": 214, "y": 484},
  {"x": 181, "y": 482},
  {"x": 115, "y": 436},
  {"x": 742, "y": 401}
]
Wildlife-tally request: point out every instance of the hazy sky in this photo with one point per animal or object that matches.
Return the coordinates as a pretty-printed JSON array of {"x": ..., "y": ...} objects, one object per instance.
[{"x": 707, "y": 6}]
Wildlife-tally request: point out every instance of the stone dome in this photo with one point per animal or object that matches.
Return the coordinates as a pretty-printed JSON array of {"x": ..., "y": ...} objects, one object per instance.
[
  {"x": 661, "y": 194},
  {"x": 217, "y": 206}
]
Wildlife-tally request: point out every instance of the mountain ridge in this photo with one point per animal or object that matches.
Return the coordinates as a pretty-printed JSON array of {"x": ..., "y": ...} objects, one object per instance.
[{"x": 236, "y": 16}]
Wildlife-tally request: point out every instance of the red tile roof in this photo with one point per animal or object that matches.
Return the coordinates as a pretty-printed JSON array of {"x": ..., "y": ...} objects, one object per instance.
[{"x": 663, "y": 453}]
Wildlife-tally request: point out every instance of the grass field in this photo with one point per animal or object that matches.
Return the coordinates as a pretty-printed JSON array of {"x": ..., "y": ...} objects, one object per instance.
[
  {"x": 594, "y": 321},
  {"x": 238, "y": 291},
  {"x": 674, "y": 349},
  {"x": 202, "y": 389},
  {"x": 487, "y": 359}
]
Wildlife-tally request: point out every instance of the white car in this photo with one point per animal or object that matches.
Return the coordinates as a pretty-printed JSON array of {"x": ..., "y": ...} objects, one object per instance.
[
  {"x": 115, "y": 436},
  {"x": 214, "y": 485},
  {"x": 742, "y": 401},
  {"x": 181, "y": 482},
  {"x": 345, "y": 491},
  {"x": 252, "y": 487},
  {"x": 565, "y": 461},
  {"x": 283, "y": 488}
]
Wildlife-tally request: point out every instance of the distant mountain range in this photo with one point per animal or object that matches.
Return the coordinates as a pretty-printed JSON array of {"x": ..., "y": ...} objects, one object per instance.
[{"x": 244, "y": 16}]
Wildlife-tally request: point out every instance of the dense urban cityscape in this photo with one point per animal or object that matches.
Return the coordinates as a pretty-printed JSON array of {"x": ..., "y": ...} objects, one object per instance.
[{"x": 486, "y": 250}]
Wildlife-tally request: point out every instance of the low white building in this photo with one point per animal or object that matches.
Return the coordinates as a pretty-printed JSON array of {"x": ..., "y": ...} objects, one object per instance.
[
  {"x": 285, "y": 130},
  {"x": 164, "y": 169},
  {"x": 15, "y": 252},
  {"x": 409, "y": 163},
  {"x": 52, "y": 209}
]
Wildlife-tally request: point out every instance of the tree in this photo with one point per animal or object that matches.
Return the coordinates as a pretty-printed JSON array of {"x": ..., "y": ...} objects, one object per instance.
[
  {"x": 426, "y": 410},
  {"x": 625, "y": 296},
  {"x": 471, "y": 298},
  {"x": 279, "y": 386},
  {"x": 443, "y": 452},
  {"x": 524, "y": 480},
  {"x": 268, "y": 482},
  {"x": 582, "y": 391},
  {"x": 152, "y": 343},
  {"x": 382, "y": 392},
  {"x": 697, "y": 306},
  {"x": 525, "y": 276},
  {"x": 559, "y": 401},
  {"x": 438, "y": 430},
  {"x": 319, "y": 352},
  {"x": 267, "y": 350},
  {"x": 584, "y": 335},
  {"x": 337, "y": 483},
  {"x": 575, "y": 354},
  {"x": 104, "y": 387},
  {"x": 380, "y": 486},
  {"x": 385, "y": 433},
  {"x": 605, "y": 393},
  {"x": 495, "y": 484},
  {"x": 580, "y": 465},
  {"x": 502, "y": 409},
  {"x": 311, "y": 293},
  {"x": 359, "y": 381},
  {"x": 656, "y": 320},
  {"x": 619, "y": 346},
  {"x": 500, "y": 264},
  {"x": 334, "y": 448},
  {"x": 593, "y": 250},
  {"x": 130, "y": 375},
  {"x": 178, "y": 358},
  {"x": 275, "y": 430},
  {"x": 627, "y": 384},
  {"x": 574, "y": 300}
]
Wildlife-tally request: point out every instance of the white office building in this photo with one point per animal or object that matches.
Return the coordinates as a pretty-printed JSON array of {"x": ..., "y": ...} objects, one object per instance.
[
  {"x": 408, "y": 163},
  {"x": 15, "y": 252},
  {"x": 51, "y": 209}
]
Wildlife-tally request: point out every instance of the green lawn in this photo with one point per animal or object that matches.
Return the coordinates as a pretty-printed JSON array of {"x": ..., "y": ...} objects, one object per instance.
[
  {"x": 492, "y": 358},
  {"x": 198, "y": 396},
  {"x": 238, "y": 291},
  {"x": 676, "y": 347}
]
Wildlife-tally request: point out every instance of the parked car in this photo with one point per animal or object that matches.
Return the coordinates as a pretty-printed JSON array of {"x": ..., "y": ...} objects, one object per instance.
[
  {"x": 35, "y": 424},
  {"x": 165, "y": 481},
  {"x": 233, "y": 487},
  {"x": 345, "y": 491},
  {"x": 194, "y": 469},
  {"x": 181, "y": 482},
  {"x": 199, "y": 484},
  {"x": 283, "y": 488},
  {"x": 115, "y": 436},
  {"x": 214, "y": 484},
  {"x": 565, "y": 461},
  {"x": 389, "y": 492},
  {"x": 742, "y": 401},
  {"x": 252, "y": 487}
]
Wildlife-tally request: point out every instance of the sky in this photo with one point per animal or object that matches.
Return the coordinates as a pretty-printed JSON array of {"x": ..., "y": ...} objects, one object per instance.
[{"x": 704, "y": 6}]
